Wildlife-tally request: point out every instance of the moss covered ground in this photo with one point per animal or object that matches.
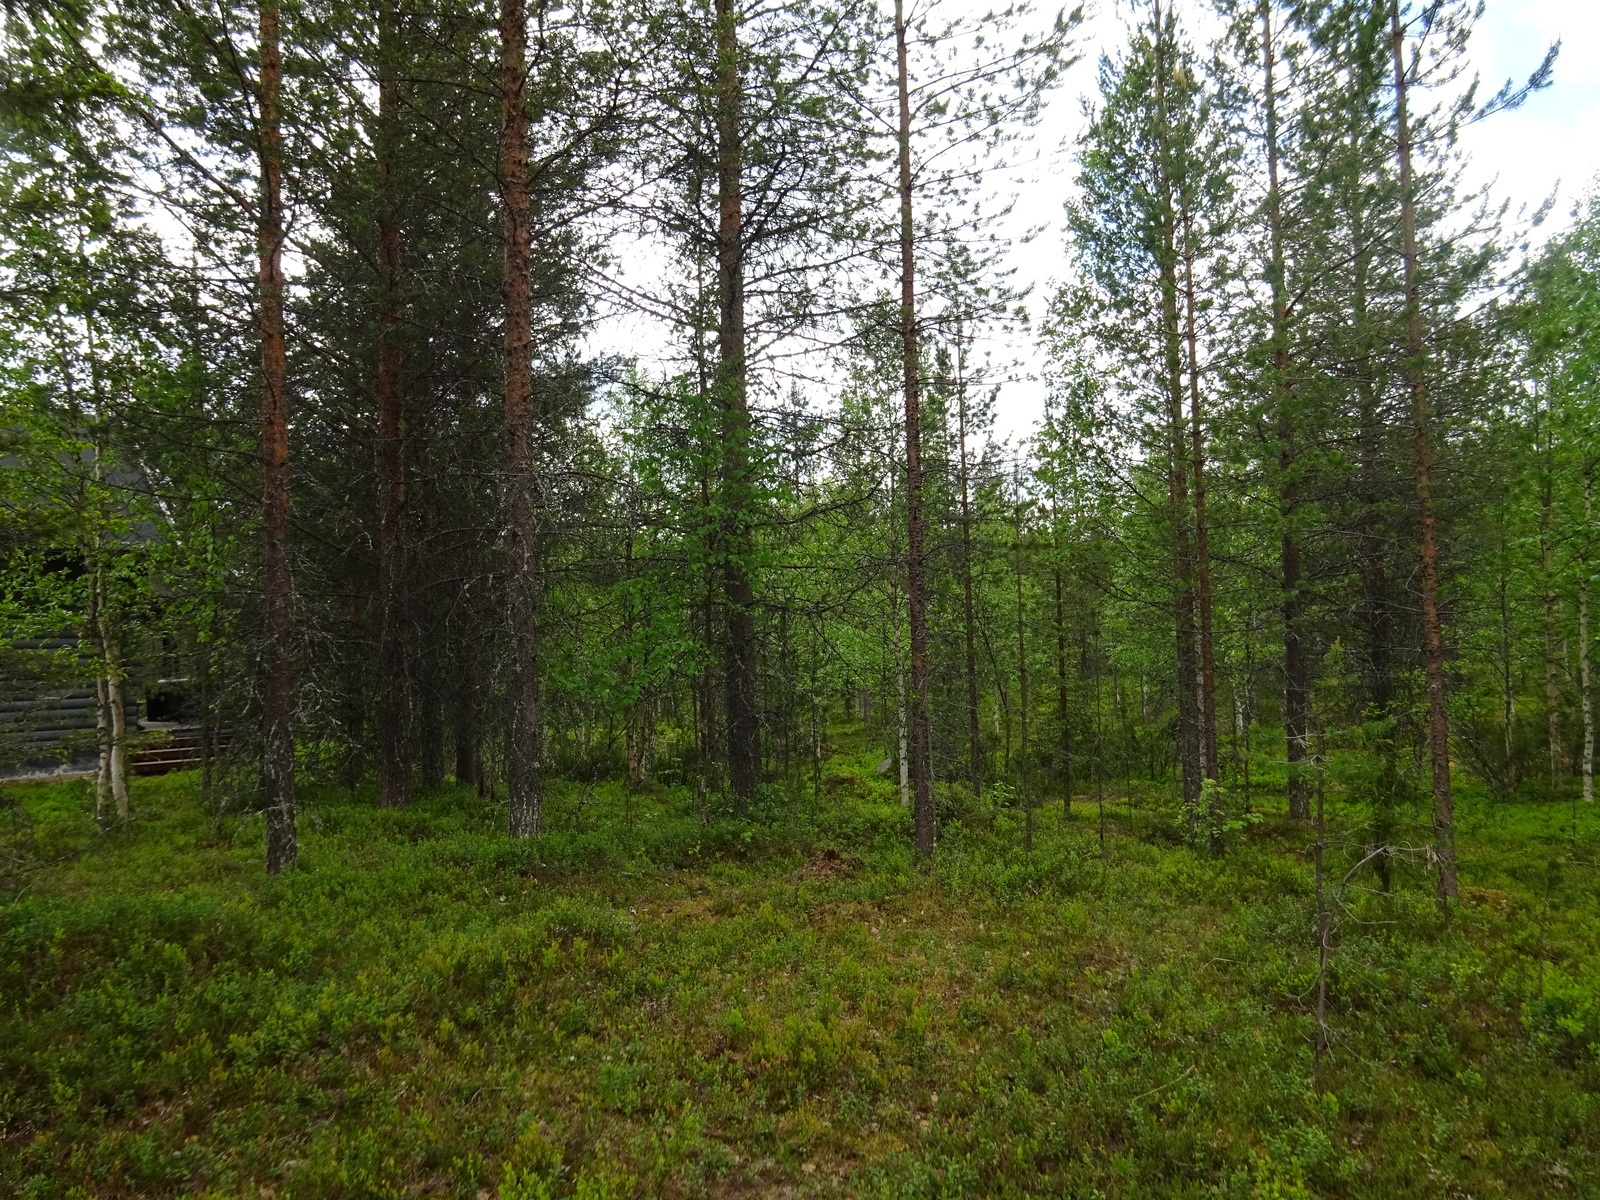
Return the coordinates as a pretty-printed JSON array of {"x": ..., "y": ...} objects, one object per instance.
[{"x": 639, "y": 1005}]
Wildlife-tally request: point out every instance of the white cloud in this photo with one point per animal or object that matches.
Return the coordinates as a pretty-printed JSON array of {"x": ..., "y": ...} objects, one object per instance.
[
  {"x": 1575, "y": 22},
  {"x": 1555, "y": 135}
]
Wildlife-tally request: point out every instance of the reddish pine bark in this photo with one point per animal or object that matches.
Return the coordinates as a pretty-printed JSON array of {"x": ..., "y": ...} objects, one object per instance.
[{"x": 524, "y": 765}]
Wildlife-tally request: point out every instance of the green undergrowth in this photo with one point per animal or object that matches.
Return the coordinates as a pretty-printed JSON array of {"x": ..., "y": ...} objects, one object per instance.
[{"x": 641, "y": 1005}]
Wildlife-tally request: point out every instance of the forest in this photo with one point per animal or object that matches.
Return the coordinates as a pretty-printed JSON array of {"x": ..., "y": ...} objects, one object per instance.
[{"x": 535, "y": 664}]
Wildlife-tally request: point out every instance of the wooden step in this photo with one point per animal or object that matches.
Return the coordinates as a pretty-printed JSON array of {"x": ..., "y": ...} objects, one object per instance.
[{"x": 179, "y": 752}]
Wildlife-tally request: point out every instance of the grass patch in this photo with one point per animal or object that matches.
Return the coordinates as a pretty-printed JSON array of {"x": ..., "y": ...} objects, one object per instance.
[{"x": 640, "y": 1005}]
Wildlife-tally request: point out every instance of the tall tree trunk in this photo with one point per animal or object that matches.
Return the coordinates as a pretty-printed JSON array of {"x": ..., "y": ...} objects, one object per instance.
[
  {"x": 467, "y": 706},
  {"x": 1552, "y": 669},
  {"x": 632, "y": 752},
  {"x": 744, "y": 731},
  {"x": 207, "y": 739},
  {"x": 1063, "y": 697},
  {"x": 1187, "y": 664},
  {"x": 353, "y": 703},
  {"x": 639, "y": 722},
  {"x": 1372, "y": 556},
  {"x": 968, "y": 609},
  {"x": 703, "y": 691},
  {"x": 642, "y": 715},
  {"x": 1375, "y": 588},
  {"x": 394, "y": 685},
  {"x": 1022, "y": 687},
  {"x": 1296, "y": 676},
  {"x": 277, "y": 716},
  {"x": 708, "y": 681},
  {"x": 1207, "y": 700},
  {"x": 104, "y": 734},
  {"x": 525, "y": 723},
  {"x": 1584, "y": 680},
  {"x": 430, "y": 718},
  {"x": 816, "y": 721},
  {"x": 429, "y": 632},
  {"x": 786, "y": 675},
  {"x": 1100, "y": 740},
  {"x": 1296, "y": 680},
  {"x": 1248, "y": 707},
  {"x": 916, "y": 589},
  {"x": 1508, "y": 694},
  {"x": 1187, "y": 667},
  {"x": 204, "y": 629},
  {"x": 102, "y": 739},
  {"x": 1428, "y": 550},
  {"x": 902, "y": 716},
  {"x": 113, "y": 715},
  {"x": 116, "y": 704}
]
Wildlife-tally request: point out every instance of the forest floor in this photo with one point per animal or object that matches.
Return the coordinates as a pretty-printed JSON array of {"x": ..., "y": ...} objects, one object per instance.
[{"x": 639, "y": 1005}]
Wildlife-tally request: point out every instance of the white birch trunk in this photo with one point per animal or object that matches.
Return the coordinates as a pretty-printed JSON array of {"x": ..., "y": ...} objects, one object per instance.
[
  {"x": 111, "y": 729},
  {"x": 115, "y": 700}
]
